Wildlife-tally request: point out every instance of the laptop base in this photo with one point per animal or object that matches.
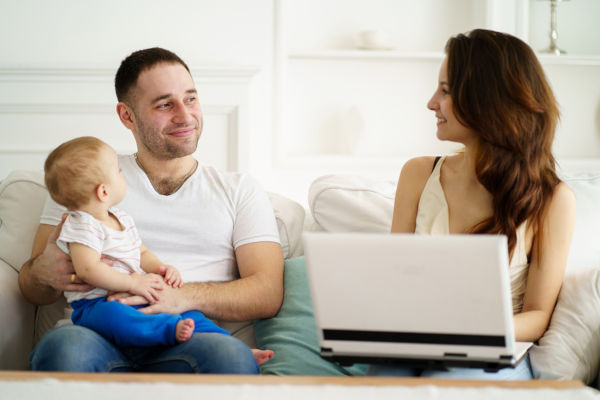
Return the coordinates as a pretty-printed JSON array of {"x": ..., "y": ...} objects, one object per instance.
[{"x": 441, "y": 364}]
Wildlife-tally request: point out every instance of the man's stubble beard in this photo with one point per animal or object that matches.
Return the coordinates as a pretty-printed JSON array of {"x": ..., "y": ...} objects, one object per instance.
[{"x": 153, "y": 140}]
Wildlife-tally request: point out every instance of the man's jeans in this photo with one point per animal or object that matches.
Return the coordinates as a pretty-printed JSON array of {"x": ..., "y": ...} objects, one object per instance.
[{"x": 78, "y": 349}]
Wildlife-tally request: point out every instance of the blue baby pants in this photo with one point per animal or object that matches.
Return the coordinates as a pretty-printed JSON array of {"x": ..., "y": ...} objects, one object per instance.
[{"x": 125, "y": 326}]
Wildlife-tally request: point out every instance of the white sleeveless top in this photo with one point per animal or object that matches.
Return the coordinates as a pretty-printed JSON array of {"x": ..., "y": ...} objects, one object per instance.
[{"x": 432, "y": 218}]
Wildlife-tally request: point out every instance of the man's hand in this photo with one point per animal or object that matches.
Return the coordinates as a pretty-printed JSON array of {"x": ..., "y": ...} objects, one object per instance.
[
  {"x": 54, "y": 267},
  {"x": 171, "y": 301},
  {"x": 57, "y": 269},
  {"x": 49, "y": 271}
]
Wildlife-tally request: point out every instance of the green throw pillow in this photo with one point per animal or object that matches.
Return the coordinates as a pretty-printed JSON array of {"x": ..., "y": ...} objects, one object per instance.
[{"x": 292, "y": 334}]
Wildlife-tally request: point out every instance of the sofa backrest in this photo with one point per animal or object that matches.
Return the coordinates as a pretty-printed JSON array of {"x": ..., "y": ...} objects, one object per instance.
[
  {"x": 22, "y": 197},
  {"x": 347, "y": 203}
]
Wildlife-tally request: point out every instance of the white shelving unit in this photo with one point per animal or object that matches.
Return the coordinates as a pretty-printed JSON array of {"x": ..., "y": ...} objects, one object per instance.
[
  {"x": 376, "y": 55},
  {"x": 324, "y": 83},
  {"x": 587, "y": 60},
  {"x": 393, "y": 55}
]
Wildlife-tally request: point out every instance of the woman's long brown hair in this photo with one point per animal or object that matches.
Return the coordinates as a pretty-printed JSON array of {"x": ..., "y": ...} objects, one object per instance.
[{"x": 499, "y": 90}]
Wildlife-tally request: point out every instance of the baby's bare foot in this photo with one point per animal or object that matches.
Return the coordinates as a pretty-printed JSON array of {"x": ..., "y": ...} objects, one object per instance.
[
  {"x": 184, "y": 330},
  {"x": 262, "y": 356}
]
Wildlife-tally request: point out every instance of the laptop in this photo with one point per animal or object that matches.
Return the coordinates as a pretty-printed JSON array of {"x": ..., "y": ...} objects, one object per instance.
[{"x": 423, "y": 300}]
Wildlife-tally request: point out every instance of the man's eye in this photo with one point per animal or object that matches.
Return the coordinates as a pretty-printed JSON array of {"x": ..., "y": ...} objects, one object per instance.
[
  {"x": 163, "y": 106},
  {"x": 191, "y": 99}
]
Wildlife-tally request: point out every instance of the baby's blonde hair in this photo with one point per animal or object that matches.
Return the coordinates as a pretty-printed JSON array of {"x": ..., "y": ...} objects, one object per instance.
[{"x": 73, "y": 171}]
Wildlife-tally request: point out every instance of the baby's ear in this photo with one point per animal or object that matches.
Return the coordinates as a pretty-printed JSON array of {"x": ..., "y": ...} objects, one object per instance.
[{"x": 101, "y": 192}]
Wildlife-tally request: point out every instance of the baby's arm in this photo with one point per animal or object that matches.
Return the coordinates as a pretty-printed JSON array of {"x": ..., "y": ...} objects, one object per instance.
[
  {"x": 152, "y": 264},
  {"x": 92, "y": 270}
]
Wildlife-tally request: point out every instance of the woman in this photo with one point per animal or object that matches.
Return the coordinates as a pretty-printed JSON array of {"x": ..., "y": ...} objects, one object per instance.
[{"x": 493, "y": 98}]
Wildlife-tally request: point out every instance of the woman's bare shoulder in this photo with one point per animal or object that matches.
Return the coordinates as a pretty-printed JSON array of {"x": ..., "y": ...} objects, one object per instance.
[
  {"x": 418, "y": 166},
  {"x": 562, "y": 197},
  {"x": 415, "y": 173}
]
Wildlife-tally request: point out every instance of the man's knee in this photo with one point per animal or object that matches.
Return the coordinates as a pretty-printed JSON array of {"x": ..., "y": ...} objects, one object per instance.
[
  {"x": 223, "y": 354},
  {"x": 74, "y": 348}
]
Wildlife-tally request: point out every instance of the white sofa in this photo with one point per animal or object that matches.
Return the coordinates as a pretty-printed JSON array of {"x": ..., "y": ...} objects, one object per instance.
[{"x": 569, "y": 350}]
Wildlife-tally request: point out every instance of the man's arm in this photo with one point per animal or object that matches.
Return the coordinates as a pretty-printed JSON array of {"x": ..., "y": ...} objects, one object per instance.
[
  {"x": 257, "y": 294},
  {"x": 49, "y": 271}
]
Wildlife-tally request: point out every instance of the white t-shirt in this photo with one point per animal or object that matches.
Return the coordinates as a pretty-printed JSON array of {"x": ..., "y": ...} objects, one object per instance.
[
  {"x": 197, "y": 228},
  {"x": 119, "y": 249}
]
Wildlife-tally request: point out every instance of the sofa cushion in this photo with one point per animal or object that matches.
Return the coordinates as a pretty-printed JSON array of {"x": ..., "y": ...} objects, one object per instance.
[
  {"x": 585, "y": 247},
  {"x": 292, "y": 333},
  {"x": 16, "y": 321},
  {"x": 570, "y": 348},
  {"x": 350, "y": 203},
  {"x": 289, "y": 216},
  {"x": 22, "y": 197}
]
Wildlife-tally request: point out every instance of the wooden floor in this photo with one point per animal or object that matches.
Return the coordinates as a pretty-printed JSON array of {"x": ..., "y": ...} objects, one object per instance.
[{"x": 275, "y": 380}]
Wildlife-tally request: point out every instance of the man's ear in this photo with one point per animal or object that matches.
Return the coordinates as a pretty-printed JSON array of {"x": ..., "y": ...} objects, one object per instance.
[
  {"x": 126, "y": 115},
  {"x": 102, "y": 192}
]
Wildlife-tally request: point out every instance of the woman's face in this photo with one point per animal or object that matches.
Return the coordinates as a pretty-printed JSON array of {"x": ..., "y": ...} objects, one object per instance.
[{"x": 448, "y": 126}]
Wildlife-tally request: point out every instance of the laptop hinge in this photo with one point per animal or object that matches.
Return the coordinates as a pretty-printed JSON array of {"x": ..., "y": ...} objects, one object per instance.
[
  {"x": 506, "y": 357},
  {"x": 326, "y": 351}
]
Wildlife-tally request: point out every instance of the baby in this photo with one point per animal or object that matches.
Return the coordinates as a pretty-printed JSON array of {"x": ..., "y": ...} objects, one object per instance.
[{"x": 83, "y": 175}]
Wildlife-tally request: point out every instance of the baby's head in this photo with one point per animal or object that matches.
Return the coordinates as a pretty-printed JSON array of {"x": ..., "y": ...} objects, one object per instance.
[{"x": 74, "y": 170}]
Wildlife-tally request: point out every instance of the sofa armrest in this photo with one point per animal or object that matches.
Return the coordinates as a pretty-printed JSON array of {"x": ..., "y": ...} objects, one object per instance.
[{"x": 16, "y": 319}]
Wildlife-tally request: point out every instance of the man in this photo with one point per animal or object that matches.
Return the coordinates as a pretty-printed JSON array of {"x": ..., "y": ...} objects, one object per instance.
[{"x": 217, "y": 228}]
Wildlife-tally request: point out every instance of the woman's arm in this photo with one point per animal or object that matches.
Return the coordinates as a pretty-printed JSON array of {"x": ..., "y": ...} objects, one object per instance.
[
  {"x": 413, "y": 178},
  {"x": 549, "y": 253}
]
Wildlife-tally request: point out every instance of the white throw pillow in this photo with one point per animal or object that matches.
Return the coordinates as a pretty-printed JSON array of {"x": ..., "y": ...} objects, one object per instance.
[
  {"x": 290, "y": 223},
  {"x": 350, "y": 203},
  {"x": 585, "y": 247},
  {"x": 570, "y": 348},
  {"x": 22, "y": 197}
]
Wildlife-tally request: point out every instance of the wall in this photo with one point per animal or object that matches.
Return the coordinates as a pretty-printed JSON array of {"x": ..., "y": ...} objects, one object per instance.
[
  {"x": 59, "y": 59},
  {"x": 287, "y": 94}
]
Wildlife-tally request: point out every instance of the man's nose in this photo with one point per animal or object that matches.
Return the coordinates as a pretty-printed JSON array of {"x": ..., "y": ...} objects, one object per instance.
[{"x": 181, "y": 114}]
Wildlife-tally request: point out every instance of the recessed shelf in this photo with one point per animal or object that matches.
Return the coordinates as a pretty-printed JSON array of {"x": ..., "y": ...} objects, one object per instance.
[
  {"x": 551, "y": 59},
  {"x": 393, "y": 55},
  {"x": 367, "y": 55}
]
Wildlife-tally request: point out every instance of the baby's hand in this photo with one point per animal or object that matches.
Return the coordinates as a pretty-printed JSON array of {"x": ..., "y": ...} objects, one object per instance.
[
  {"x": 146, "y": 286},
  {"x": 171, "y": 275}
]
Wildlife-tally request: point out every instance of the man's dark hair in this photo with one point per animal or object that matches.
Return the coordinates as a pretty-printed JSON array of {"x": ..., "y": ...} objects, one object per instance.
[{"x": 137, "y": 62}]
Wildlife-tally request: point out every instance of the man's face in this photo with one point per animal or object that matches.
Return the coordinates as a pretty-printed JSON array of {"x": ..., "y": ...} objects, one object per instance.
[{"x": 167, "y": 114}]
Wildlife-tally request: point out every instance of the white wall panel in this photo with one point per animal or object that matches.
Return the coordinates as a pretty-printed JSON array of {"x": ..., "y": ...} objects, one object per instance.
[{"x": 45, "y": 107}]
